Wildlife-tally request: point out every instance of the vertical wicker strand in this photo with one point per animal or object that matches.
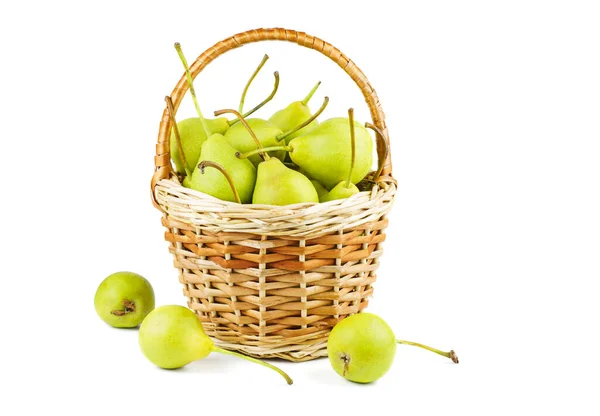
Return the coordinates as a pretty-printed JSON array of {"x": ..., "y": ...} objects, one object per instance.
[
  {"x": 207, "y": 284},
  {"x": 364, "y": 271},
  {"x": 182, "y": 270},
  {"x": 338, "y": 267},
  {"x": 378, "y": 249},
  {"x": 262, "y": 293},
  {"x": 303, "y": 299},
  {"x": 230, "y": 283}
]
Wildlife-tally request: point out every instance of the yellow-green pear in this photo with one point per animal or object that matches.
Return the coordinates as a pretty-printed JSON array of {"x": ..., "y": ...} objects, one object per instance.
[
  {"x": 172, "y": 336},
  {"x": 325, "y": 155},
  {"x": 362, "y": 347},
  {"x": 294, "y": 114},
  {"x": 241, "y": 171},
  {"x": 277, "y": 184},
  {"x": 346, "y": 189}
]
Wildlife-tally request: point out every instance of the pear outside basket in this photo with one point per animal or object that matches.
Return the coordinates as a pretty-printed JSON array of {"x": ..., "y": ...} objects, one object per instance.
[{"x": 272, "y": 281}]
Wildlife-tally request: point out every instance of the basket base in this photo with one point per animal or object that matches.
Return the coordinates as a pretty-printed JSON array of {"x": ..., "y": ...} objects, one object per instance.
[
  {"x": 319, "y": 351},
  {"x": 300, "y": 348}
]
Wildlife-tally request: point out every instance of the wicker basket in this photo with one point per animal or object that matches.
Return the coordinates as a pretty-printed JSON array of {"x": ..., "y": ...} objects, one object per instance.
[{"x": 272, "y": 281}]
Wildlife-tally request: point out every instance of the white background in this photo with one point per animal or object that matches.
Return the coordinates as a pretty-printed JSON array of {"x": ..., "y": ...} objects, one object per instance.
[{"x": 494, "y": 241}]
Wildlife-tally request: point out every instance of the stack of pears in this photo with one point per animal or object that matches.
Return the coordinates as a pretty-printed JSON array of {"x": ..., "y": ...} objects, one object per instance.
[{"x": 289, "y": 158}]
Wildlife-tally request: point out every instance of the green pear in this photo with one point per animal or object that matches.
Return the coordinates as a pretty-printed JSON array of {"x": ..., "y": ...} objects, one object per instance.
[
  {"x": 242, "y": 172},
  {"x": 327, "y": 143},
  {"x": 361, "y": 348},
  {"x": 277, "y": 184},
  {"x": 172, "y": 336},
  {"x": 321, "y": 190},
  {"x": 266, "y": 132},
  {"x": 295, "y": 114},
  {"x": 124, "y": 299},
  {"x": 192, "y": 135},
  {"x": 346, "y": 189},
  {"x": 340, "y": 191}
]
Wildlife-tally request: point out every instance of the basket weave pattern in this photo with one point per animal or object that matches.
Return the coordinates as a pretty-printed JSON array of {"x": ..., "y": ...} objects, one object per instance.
[{"x": 272, "y": 281}]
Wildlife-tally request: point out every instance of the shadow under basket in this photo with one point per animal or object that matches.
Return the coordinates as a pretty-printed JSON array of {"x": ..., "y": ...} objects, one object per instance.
[{"x": 272, "y": 281}]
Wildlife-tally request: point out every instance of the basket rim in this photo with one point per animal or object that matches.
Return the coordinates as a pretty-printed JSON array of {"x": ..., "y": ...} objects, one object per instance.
[{"x": 304, "y": 220}]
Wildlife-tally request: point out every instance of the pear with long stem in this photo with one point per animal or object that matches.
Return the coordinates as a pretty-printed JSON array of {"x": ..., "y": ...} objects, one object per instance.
[
  {"x": 202, "y": 166},
  {"x": 195, "y": 130},
  {"x": 172, "y": 336},
  {"x": 345, "y": 189},
  {"x": 232, "y": 179},
  {"x": 295, "y": 114},
  {"x": 362, "y": 347}
]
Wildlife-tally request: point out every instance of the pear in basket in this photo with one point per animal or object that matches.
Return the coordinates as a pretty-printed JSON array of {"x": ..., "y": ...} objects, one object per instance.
[
  {"x": 294, "y": 114},
  {"x": 345, "y": 189}
]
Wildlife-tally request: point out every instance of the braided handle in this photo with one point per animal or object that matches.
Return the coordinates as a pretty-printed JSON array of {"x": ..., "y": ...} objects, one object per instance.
[{"x": 163, "y": 168}]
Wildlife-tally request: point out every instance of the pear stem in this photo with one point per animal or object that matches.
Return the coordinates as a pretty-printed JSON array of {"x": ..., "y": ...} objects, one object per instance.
[
  {"x": 243, "y": 121},
  {"x": 171, "y": 112},
  {"x": 254, "y": 74},
  {"x": 262, "y": 149},
  {"x": 387, "y": 148},
  {"x": 346, "y": 359},
  {"x": 254, "y": 360},
  {"x": 307, "y": 121},
  {"x": 261, "y": 105},
  {"x": 129, "y": 307},
  {"x": 191, "y": 85},
  {"x": 208, "y": 163},
  {"x": 353, "y": 142},
  {"x": 451, "y": 354},
  {"x": 311, "y": 93}
]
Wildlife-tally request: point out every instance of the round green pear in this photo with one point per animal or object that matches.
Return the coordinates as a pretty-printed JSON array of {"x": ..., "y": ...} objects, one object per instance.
[
  {"x": 124, "y": 299},
  {"x": 172, "y": 336},
  {"x": 294, "y": 114},
  {"x": 361, "y": 348}
]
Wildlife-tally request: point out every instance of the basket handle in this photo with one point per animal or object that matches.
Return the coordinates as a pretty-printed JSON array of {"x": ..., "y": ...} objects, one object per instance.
[{"x": 162, "y": 162}]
